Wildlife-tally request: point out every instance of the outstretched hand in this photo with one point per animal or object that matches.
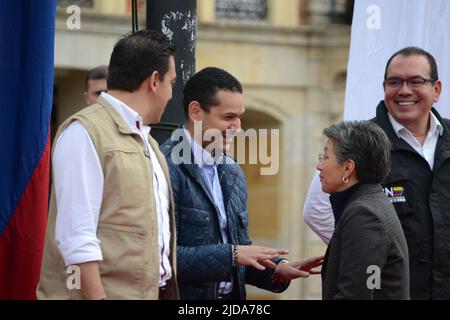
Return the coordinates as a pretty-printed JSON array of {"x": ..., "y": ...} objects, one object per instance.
[
  {"x": 297, "y": 269},
  {"x": 258, "y": 257},
  {"x": 308, "y": 264}
]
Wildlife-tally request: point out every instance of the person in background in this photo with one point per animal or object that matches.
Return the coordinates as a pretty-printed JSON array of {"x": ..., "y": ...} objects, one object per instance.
[{"x": 95, "y": 84}]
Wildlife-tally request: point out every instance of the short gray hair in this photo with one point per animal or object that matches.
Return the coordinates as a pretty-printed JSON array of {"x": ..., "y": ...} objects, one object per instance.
[{"x": 366, "y": 144}]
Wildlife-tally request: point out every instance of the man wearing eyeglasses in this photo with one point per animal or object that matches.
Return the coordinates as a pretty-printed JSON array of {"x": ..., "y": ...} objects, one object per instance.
[{"x": 419, "y": 182}]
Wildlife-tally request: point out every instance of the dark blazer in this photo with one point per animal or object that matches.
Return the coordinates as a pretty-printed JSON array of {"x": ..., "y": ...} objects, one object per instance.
[{"x": 368, "y": 242}]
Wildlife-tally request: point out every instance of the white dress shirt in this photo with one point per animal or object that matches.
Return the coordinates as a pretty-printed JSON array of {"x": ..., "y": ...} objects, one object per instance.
[
  {"x": 78, "y": 182},
  {"x": 317, "y": 211},
  {"x": 208, "y": 167},
  {"x": 429, "y": 146}
]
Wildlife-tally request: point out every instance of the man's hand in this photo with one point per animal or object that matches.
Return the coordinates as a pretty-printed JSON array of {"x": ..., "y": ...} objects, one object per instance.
[
  {"x": 297, "y": 269},
  {"x": 258, "y": 257},
  {"x": 91, "y": 283}
]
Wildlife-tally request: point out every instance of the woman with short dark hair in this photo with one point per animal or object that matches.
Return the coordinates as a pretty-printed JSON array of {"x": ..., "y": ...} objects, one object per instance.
[{"x": 367, "y": 257}]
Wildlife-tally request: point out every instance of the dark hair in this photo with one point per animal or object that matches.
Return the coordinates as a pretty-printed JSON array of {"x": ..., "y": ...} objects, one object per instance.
[
  {"x": 411, "y": 51},
  {"x": 203, "y": 86},
  {"x": 136, "y": 56},
  {"x": 366, "y": 144},
  {"x": 97, "y": 73}
]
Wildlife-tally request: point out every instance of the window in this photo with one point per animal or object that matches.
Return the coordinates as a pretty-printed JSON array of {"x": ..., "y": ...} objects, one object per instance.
[{"x": 241, "y": 10}]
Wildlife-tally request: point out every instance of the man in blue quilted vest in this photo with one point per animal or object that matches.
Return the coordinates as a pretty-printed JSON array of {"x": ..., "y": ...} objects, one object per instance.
[{"x": 215, "y": 255}]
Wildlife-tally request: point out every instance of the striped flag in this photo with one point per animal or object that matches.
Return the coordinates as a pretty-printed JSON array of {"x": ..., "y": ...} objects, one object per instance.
[
  {"x": 382, "y": 27},
  {"x": 27, "y": 30}
]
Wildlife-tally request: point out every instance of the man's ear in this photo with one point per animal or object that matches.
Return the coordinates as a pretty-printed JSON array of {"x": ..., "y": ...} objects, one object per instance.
[
  {"x": 437, "y": 90},
  {"x": 153, "y": 81},
  {"x": 195, "y": 111}
]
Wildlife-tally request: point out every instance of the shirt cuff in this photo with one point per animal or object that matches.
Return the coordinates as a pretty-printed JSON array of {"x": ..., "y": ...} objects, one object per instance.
[{"x": 80, "y": 249}]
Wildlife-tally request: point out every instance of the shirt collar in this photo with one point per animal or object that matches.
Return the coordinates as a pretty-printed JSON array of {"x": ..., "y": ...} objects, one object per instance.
[
  {"x": 435, "y": 125},
  {"x": 201, "y": 156},
  {"x": 131, "y": 117}
]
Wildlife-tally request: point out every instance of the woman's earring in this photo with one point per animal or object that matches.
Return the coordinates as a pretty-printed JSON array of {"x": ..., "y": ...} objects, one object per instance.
[{"x": 345, "y": 179}]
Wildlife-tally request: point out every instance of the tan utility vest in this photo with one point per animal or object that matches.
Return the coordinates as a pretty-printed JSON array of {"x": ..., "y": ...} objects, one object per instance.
[{"x": 128, "y": 226}]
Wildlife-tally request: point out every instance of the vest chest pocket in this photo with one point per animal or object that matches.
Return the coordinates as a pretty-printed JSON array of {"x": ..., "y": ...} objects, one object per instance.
[{"x": 127, "y": 176}]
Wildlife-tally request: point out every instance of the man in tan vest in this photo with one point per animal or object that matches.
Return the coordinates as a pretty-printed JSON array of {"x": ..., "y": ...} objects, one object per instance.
[{"x": 111, "y": 228}]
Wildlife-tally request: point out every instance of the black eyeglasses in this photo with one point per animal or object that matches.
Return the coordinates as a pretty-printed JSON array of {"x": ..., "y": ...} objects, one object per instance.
[{"x": 416, "y": 82}]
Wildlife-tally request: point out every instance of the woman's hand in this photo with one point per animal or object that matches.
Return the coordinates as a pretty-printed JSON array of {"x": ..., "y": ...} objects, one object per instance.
[{"x": 289, "y": 270}]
